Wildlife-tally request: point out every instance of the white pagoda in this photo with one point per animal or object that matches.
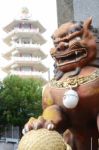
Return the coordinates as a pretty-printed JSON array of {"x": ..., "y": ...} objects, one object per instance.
[{"x": 24, "y": 38}]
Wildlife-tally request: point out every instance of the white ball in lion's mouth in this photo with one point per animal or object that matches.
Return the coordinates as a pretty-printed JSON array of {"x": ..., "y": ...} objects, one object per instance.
[{"x": 70, "y": 99}]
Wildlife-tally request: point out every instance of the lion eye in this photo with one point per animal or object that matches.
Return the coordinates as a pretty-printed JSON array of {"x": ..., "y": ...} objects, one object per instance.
[
  {"x": 58, "y": 49},
  {"x": 63, "y": 35},
  {"x": 78, "y": 27},
  {"x": 71, "y": 30}
]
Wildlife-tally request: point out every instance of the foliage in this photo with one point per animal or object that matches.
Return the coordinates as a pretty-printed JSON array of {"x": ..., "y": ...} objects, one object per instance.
[{"x": 20, "y": 98}]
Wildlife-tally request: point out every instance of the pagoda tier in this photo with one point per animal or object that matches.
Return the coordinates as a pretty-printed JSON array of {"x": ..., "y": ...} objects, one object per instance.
[
  {"x": 17, "y": 23},
  {"x": 25, "y": 65},
  {"x": 24, "y": 37},
  {"x": 17, "y": 34},
  {"x": 20, "y": 50}
]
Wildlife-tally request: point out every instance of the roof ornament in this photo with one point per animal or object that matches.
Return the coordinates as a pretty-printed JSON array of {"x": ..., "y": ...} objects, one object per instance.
[{"x": 25, "y": 13}]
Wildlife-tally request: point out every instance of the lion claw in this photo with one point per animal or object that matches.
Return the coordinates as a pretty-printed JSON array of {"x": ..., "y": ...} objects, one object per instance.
[{"x": 50, "y": 126}]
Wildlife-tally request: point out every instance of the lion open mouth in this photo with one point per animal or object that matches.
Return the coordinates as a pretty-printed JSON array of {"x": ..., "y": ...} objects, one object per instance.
[{"x": 71, "y": 57}]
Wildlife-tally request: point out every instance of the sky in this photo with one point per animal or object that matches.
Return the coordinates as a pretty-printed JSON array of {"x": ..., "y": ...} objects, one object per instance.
[{"x": 42, "y": 10}]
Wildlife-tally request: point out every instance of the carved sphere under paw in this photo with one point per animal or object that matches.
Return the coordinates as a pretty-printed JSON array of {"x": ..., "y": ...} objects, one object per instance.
[{"x": 42, "y": 139}]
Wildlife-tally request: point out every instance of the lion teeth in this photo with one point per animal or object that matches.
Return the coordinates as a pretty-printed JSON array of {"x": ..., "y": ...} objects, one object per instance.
[
  {"x": 78, "y": 38},
  {"x": 76, "y": 52},
  {"x": 65, "y": 44}
]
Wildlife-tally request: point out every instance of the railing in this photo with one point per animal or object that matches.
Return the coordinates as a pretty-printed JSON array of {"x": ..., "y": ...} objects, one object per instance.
[
  {"x": 27, "y": 29},
  {"x": 10, "y": 134},
  {"x": 11, "y": 140},
  {"x": 12, "y": 35},
  {"x": 32, "y": 73},
  {"x": 15, "y": 30},
  {"x": 26, "y": 59},
  {"x": 22, "y": 45}
]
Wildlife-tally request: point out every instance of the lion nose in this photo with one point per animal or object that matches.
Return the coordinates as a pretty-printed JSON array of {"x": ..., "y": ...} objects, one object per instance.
[{"x": 62, "y": 46}]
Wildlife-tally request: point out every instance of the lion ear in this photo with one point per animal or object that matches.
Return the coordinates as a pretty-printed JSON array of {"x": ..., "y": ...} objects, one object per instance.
[{"x": 88, "y": 22}]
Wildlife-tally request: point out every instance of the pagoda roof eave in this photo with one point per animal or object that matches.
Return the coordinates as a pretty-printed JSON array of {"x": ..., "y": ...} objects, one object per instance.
[
  {"x": 36, "y": 65},
  {"x": 26, "y": 75},
  {"x": 35, "y": 53},
  {"x": 37, "y": 37},
  {"x": 35, "y": 23}
]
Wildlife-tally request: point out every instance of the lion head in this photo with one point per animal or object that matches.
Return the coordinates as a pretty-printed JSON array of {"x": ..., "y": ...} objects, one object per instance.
[{"x": 75, "y": 45}]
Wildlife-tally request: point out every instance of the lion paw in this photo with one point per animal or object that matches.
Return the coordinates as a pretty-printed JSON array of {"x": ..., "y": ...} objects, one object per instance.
[{"x": 34, "y": 124}]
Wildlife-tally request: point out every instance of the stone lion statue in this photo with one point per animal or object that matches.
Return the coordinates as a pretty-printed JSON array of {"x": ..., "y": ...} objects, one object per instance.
[{"x": 71, "y": 99}]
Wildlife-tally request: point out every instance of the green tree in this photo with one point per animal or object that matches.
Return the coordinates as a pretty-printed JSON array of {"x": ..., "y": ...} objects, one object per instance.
[{"x": 21, "y": 99}]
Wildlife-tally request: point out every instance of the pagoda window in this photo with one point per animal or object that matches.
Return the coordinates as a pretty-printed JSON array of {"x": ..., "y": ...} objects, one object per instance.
[
  {"x": 27, "y": 55},
  {"x": 20, "y": 25},
  {"x": 32, "y": 69},
  {"x": 25, "y": 41},
  {"x": 16, "y": 40},
  {"x": 26, "y": 26},
  {"x": 26, "y": 68},
  {"x": 20, "y": 54},
  {"x": 17, "y": 69},
  {"x": 34, "y": 28},
  {"x": 30, "y": 26}
]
